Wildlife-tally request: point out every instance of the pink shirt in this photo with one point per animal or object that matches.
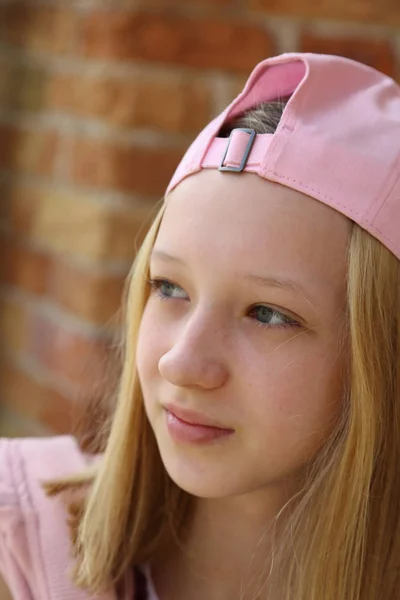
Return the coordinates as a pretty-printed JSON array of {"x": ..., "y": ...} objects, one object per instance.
[{"x": 35, "y": 549}]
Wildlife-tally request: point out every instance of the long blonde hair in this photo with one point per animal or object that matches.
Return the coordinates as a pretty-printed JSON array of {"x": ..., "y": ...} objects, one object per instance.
[{"x": 341, "y": 541}]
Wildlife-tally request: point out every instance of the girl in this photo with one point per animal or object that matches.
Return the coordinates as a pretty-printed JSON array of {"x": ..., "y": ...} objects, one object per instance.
[{"x": 253, "y": 451}]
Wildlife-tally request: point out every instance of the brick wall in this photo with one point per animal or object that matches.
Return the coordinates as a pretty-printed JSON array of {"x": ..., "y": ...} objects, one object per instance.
[{"x": 98, "y": 100}]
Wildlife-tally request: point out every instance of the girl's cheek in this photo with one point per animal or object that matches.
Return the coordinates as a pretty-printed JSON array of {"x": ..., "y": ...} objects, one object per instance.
[
  {"x": 144, "y": 345},
  {"x": 151, "y": 341}
]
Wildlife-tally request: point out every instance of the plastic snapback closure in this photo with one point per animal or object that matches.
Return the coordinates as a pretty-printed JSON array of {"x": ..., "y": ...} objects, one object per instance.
[{"x": 235, "y": 152}]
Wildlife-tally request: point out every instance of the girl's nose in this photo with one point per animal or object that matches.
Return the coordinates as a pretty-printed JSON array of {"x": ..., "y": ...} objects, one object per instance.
[{"x": 195, "y": 359}]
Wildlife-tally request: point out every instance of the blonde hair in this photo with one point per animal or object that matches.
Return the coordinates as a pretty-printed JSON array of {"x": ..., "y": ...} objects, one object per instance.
[{"x": 341, "y": 540}]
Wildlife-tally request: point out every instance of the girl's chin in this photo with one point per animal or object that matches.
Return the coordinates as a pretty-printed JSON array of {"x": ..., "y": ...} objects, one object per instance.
[
  {"x": 196, "y": 479},
  {"x": 203, "y": 480}
]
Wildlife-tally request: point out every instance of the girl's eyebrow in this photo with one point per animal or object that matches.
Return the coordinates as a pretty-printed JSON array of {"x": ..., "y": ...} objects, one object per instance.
[
  {"x": 264, "y": 281},
  {"x": 289, "y": 284}
]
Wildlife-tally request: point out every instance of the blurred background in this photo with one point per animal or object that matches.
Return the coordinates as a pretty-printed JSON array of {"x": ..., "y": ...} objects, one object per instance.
[{"x": 98, "y": 101}]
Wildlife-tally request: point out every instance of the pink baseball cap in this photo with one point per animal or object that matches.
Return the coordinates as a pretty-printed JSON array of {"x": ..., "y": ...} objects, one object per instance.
[{"x": 338, "y": 139}]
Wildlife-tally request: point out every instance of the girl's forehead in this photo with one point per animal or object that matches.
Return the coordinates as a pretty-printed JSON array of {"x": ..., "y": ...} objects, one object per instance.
[
  {"x": 221, "y": 228},
  {"x": 247, "y": 216}
]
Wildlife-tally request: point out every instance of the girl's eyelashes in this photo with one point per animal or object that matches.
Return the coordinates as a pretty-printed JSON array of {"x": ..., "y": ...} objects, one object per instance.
[
  {"x": 161, "y": 285},
  {"x": 267, "y": 316},
  {"x": 277, "y": 319}
]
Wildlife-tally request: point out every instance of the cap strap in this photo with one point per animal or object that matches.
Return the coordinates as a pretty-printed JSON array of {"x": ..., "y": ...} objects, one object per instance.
[{"x": 244, "y": 150}]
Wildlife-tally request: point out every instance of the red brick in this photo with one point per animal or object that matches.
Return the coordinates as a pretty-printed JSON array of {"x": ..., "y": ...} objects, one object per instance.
[
  {"x": 14, "y": 320},
  {"x": 170, "y": 4},
  {"x": 5, "y": 202},
  {"x": 20, "y": 391},
  {"x": 59, "y": 412},
  {"x": 173, "y": 105},
  {"x": 6, "y": 81},
  {"x": 371, "y": 11},
  {"x": 13, "y": 424},
  {"x": 212, "y": 3},
  {"x": 35, "y": 399},
  {"x": 23, "y": 267},
  {"x": 38, "y": 28},
  {"x": 76, "y": 225},
  {"x": 76, "y": 357},
  {"x": 22, "y": 87},
  {"x": 127, "y": 230},
  {"x": 104, "y": 164},
  {"x": 171, "y": 38},
  {"x": 89, "y": 293},
  {"x": 375, "y": 53},
  {"x": 27, "y": 151},
  {"x": 21, "y": 204}
]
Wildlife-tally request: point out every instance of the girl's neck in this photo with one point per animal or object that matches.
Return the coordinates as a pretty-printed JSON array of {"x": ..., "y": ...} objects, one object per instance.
[{"x": 225, "y": 554}]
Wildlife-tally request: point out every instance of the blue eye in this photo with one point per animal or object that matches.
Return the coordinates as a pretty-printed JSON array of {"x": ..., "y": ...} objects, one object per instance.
[
  {"x": 269, "y": 317},
  {"x": 266, "y": 316},
  {"x": 163, "y": 288}
]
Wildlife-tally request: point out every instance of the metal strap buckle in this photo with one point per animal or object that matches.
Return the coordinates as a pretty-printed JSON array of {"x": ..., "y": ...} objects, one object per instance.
[{"x": 252, "y": 135}]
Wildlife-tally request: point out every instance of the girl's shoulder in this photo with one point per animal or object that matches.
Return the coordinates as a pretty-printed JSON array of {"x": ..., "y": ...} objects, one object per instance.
[{"x": 35, "y": 547}]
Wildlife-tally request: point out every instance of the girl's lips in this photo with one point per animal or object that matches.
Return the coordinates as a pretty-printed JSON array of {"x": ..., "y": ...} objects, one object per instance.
[
  {"x": 193, "y": 418},
  {"x": 197, "y": 430}
]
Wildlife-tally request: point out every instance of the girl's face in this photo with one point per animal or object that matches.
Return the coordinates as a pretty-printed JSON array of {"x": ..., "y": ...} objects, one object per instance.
[{"x": 239, "y": 353}]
